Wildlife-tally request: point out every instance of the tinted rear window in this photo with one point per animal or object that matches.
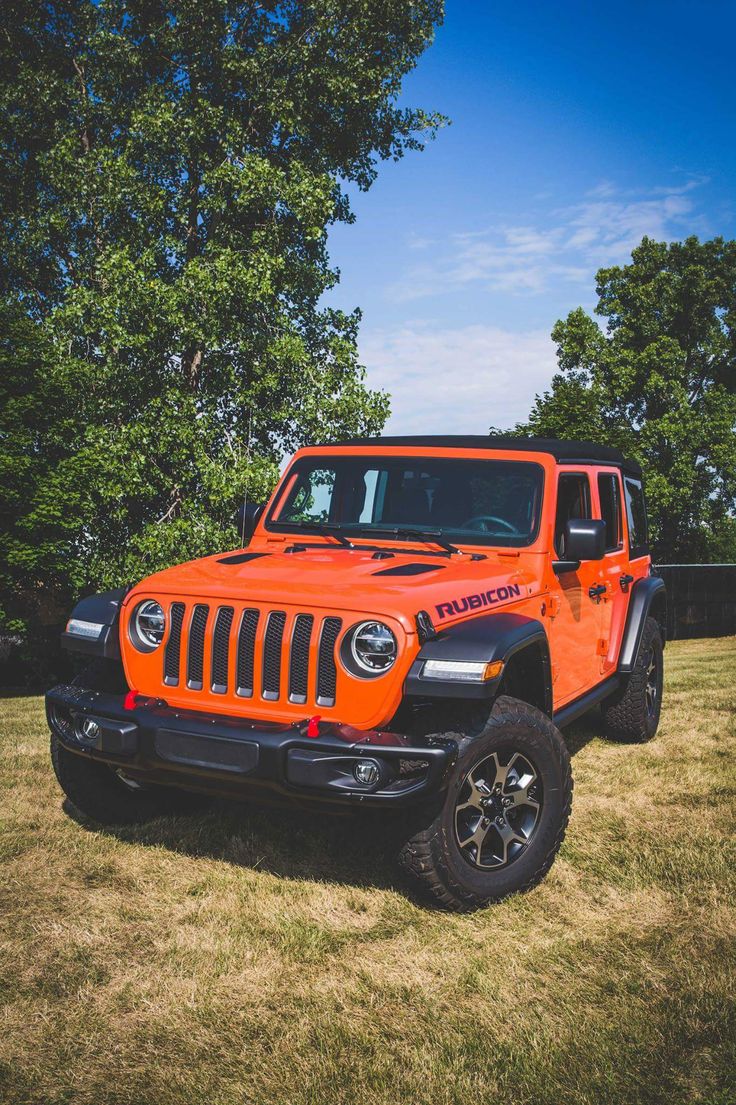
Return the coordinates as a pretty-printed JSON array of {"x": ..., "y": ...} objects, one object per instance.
[
  {"x": 610, "y": 497},
  {"x": 636, "y": 514}
]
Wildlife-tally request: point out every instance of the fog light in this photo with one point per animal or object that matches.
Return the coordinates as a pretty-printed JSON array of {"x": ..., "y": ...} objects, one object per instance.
[
  {"x": 367, "y": 772},
  {"x": 88, "y": 730}
]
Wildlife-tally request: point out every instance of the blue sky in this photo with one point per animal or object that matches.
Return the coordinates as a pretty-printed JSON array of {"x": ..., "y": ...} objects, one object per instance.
[{"x": 576, "y": 129}]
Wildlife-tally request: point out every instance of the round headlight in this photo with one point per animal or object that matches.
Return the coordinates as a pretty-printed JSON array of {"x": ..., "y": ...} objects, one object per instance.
[
  {"x": 149, "y": 623},
  {"x": 373, "y": 647}
]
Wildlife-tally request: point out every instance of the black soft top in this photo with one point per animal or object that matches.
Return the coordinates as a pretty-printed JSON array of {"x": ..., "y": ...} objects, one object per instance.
[{"x": 564, "y": 452}]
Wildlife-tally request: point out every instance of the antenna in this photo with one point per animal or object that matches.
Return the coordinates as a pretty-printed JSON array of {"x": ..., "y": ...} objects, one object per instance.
[{"x": 247, "y": 463}]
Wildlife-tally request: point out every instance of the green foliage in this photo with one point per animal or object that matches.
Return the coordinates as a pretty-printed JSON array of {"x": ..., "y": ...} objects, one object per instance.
[
  {"x": 660, "y": 383},
  {"x": 171, "y": 172}
]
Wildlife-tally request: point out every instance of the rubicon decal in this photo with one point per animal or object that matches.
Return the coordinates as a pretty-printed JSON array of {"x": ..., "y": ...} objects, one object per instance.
[{"x": 475, "y": 602}]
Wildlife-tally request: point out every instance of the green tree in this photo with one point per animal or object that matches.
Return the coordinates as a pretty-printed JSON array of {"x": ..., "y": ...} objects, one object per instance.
[
  {"x": 660, "y": 383},
  {"x": 171, "y": 170}
]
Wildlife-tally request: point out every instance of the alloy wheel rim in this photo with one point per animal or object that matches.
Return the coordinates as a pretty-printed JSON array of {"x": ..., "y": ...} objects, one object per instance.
[{"x": 497, "y": 810}]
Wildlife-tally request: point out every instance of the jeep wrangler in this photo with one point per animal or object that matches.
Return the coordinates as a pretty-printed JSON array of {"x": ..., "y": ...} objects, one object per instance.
[{"x": 411, "y": 624}]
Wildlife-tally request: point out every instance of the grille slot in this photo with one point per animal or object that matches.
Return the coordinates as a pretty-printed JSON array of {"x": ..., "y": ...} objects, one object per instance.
[
  {"x": 246, "y": 653},
  {"x": 326, "y": 669},
  {"x": 195, "y": 652},
  {"x": 172, "y": 651},
  {"x": 272, "y": 654},
  {"x": 299, "y": 663},
  {"x": 221, "y": 648}
]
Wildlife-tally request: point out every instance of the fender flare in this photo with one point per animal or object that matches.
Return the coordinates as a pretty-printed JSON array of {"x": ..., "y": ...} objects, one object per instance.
[
  {"x": 486, "y": 638},
  {"x": 104, "y": 610},
  {"x": 648, "y": 596}
]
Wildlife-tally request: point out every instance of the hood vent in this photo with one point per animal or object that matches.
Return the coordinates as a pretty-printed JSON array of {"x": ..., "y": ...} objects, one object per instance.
[
  {"x": 410, "y": 569},
  {"x": 241, "y": 557}
]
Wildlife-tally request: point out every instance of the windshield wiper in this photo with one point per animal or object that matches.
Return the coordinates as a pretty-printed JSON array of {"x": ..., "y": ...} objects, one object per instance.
[
  {"x": 332, "y": 529},
  {"x": 413, "y": 533},
  {"x": 329, "y": 529}
]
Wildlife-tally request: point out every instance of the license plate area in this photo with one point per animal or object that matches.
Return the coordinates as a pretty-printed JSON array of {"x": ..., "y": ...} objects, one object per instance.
[{"x": 213, "y": 753}]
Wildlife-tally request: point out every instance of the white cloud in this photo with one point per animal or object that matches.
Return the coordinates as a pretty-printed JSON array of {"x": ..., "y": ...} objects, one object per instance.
[
  {"x": 574, "y": 241},
  {"x": 457, "y": 380}
]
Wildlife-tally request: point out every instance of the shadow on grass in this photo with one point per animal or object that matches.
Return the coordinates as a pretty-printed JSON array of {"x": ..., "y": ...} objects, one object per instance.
[
  {"x": 584, "y": 730},
  {"x": 353, "y": 848}
]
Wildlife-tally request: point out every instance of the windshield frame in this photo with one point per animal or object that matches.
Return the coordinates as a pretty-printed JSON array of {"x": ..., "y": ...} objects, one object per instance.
[{"x": 366, "y": 532}]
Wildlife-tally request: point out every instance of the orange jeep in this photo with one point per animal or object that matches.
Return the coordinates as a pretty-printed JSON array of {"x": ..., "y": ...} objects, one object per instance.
[{"x": 413, "y": 621}]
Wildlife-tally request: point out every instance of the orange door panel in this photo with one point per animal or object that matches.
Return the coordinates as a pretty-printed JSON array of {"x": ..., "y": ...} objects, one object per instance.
[
  {"x": 575, "y": 625},
  {"x": 574, "y": 632},
  {"x": 614, "y": 604}
]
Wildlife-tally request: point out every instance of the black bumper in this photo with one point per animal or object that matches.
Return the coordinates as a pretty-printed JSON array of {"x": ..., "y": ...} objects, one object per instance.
[{"x": 155, "y": 743}]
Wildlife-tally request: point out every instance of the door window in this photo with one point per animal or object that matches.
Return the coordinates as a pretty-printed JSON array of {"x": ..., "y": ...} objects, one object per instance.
[
  {"x": 610, "y": 498},
  {"x": 636, "y": 515},
  {"x": 573, "y": 501}
]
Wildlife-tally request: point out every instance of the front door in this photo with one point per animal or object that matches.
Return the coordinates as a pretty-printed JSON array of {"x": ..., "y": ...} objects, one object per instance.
[{"x": 574, "y": 627}]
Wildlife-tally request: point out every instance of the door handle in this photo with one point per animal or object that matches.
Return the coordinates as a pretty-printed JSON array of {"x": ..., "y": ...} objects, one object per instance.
[
  {"x": 626, "y": 581},
  {"x": 597, "y": 591}
]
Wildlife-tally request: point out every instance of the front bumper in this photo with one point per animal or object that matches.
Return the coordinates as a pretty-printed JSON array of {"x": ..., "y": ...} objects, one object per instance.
[{"x": 154, "y": 743}]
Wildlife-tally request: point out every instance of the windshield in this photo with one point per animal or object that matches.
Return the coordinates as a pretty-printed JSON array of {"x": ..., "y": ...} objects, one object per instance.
[{"x": 486, "y": 502}]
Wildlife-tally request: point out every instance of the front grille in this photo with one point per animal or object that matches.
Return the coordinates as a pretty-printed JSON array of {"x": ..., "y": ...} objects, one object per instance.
[{"x": 250, "y": 652}]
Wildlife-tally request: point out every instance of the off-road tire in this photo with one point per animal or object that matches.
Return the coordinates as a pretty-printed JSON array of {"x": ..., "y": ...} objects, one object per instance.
[
  {"x": 627, "y": 715},
  {"x": 95, "y": 789},
  {"x": 432, "y": 855}
]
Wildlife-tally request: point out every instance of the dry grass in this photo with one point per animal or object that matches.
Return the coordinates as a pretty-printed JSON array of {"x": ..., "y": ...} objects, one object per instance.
[{"x": 253, "y": 957}]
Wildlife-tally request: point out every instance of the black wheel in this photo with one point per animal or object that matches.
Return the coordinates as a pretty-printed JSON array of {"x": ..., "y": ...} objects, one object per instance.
[
  {"x": 99, "y": 791},
  {"x": 504, "y": 815},
  {"x": 103, "y": 795},
  {"x": 633, "y": 714}
]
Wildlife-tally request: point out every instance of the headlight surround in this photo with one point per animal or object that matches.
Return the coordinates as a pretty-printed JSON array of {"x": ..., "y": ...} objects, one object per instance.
[
  {"x": 371, "y": 649},
  {"x": 147, "y": 625}
]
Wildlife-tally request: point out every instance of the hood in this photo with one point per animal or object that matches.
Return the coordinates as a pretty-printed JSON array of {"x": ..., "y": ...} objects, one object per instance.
[{"x": 397, "y": 582}]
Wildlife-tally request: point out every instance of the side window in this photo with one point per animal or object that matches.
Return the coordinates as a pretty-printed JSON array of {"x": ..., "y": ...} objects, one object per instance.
[
  {"x": 610, "y": 497},
  {"x": 573, "y": 501},
  {"x": 636, "y": 515}
]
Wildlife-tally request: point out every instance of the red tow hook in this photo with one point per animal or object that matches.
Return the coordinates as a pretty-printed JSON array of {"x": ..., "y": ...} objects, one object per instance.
[
  {"x": 129, "y": 700},
  {"x": 313, "y": 726},
  {"x": 134, "y": 699}
]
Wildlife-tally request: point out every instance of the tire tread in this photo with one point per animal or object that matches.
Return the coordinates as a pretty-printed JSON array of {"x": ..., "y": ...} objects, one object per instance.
[
  {"x": 420, "y": 855},
  {"x": 625, "y": 714}
]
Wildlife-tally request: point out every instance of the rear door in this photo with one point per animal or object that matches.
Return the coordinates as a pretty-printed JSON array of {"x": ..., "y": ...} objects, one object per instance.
[{"x": 615, "y": 575}]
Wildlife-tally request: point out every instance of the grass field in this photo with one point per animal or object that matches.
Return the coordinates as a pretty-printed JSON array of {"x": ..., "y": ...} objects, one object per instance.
[{"x": 258, "y": 957}]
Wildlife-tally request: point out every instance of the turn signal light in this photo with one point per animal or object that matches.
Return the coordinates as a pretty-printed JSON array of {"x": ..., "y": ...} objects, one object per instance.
[{"x": 462, "y": 671}]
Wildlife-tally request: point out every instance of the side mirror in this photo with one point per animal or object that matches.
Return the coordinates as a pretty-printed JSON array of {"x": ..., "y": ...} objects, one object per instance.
[
  {"x": 247, "y": 519},
  {"x": 585, "y": 539}
]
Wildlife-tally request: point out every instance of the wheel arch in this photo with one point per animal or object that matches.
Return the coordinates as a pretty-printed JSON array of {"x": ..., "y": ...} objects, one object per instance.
[
  {"x": 519, "y": 642},
  {"x": 648, "y": 599},
  {"x": 102, "y": 610}
]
